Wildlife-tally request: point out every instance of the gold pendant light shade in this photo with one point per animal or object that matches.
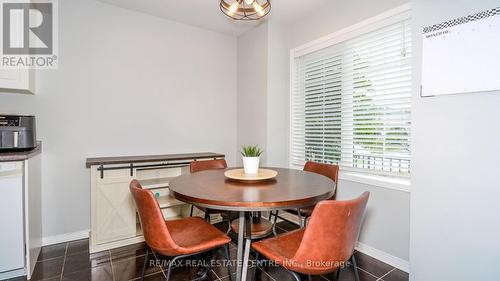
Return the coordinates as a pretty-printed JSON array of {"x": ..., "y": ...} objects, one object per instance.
[{"x": 245, "y": 9}]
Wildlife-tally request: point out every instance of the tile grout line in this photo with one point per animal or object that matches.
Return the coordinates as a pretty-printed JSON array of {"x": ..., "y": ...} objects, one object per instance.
[
  {"x": 49, "y": 259},
  {"x": 324, "y": 277},
  {"x": 111, "y": 264},
  {"x": 218, "y": 278},
  {"x": 156, "y": 259},
  {"x": 366, "y": 271},
  {"x": 64, "y": 261},
  {"x": 129, "y": 258},
  {"x": 262, "y": 269},
  {"x": 149, "y": 274},
  {"x": 386, "y": 274},
  {"x": 79, "y": 253}
]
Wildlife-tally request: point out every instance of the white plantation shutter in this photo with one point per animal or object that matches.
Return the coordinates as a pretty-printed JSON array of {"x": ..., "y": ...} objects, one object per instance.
[{"x": 351, "y": 103}]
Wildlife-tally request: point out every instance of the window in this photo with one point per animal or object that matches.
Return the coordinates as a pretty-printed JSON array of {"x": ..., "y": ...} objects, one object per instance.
[{"x": 351, "y": 102}]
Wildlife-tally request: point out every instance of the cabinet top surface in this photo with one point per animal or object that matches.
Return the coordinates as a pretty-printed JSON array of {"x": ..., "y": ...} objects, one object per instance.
[
  {"x": 21, "y": 155},
  {"x": 149, "y": 158}
]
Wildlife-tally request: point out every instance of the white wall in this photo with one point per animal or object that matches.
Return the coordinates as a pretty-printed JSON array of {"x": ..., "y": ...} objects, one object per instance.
[
  {"x": 387, "y": 219},
  {"x": 278, "y": 121},
  {"x": 335, "y": 16},
  {"x": 455, "y": 187},
  {"x": 252, "y": 89},
  {"x": 127, "y": 84},
  {"x": 263, "y": 92}
]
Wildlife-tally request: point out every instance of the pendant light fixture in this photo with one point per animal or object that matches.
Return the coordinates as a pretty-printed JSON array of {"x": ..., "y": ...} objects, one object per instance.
[{"x": 245, "y": 9}]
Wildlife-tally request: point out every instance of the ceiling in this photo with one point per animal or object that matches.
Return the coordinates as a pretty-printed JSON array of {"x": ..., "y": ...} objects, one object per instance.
[{"x": 206, "y": 13}]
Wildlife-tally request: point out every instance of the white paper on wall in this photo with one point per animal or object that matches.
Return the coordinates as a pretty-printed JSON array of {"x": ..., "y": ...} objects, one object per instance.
[{"x": 462, "y": 55}]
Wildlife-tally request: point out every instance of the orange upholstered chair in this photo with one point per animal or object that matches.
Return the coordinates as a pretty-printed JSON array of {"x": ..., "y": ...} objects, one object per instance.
[
  {"x": 198, "y": 166},
  {"x": 324, "y": 245},
  {"x": 327, "y": 170},
  {"x": 176, "y": 238}
]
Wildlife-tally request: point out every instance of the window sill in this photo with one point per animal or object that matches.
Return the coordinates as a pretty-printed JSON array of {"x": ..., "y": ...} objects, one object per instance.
[{"x": 394, "y": 183}]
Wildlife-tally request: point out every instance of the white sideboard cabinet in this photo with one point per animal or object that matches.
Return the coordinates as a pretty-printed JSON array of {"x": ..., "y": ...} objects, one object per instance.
[{"x": 114, "y": 220}]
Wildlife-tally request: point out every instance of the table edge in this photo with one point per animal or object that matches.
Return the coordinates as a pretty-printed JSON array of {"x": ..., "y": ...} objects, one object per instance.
[{"x": 253, "y": 206}]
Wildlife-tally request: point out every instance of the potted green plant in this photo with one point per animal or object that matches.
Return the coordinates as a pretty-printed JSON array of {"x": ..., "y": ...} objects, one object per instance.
[{"x": 251, "y": 158}]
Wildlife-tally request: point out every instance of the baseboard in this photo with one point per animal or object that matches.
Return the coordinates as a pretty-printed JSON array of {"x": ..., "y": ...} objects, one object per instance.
[
  {"x": 12, "y": 274},
  {"x": 399, "y": 263},
  {"x": 61, "y": 238}
]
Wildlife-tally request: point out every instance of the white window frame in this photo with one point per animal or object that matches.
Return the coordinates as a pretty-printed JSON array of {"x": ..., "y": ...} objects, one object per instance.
[{"x": 389, "y": 17}]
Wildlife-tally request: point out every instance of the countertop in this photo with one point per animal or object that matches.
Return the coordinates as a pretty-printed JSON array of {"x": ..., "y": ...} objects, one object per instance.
[
  {"x": 150, "y": 158},
  {"x": 21, "y": 155}
]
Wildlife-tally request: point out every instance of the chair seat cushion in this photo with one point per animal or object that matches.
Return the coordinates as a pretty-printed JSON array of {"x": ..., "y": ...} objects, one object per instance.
[
  {"x": 282, "y": 248},
  {"x": 194, "y": 235}
]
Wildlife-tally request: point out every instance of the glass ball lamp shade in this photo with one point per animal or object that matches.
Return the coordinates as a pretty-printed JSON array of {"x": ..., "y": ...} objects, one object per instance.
[{"x": 245, "y": 9}]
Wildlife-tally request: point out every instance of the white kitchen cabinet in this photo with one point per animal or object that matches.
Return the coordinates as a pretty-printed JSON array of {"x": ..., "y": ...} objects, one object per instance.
[
  {"x": 114, "y": 219},
  {"x": 17, "y": 80},
  {"x": 12, "y": 217},
  {"x": 33, "y": 210},
  {"x": 20, "y": 214}
]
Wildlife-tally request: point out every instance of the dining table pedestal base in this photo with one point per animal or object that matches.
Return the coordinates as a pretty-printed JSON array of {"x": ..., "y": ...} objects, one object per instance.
[
  {"x": 261, "y": 227},
  {"x": 243, "y": 250}
]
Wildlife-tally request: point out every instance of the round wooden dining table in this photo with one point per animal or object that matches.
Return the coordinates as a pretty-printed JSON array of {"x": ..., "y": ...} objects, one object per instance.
[{"x": 290, "y": 189}]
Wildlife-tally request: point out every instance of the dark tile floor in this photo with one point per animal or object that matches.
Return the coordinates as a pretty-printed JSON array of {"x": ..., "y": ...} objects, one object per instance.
[{"x": 72, "y": 262}]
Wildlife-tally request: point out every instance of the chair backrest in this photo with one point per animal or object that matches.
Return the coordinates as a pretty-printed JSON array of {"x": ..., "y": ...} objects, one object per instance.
[
  {"x": 328, "y": 170},
  {"x": 332, "y": 232},
  {"x": 198, "y": 166},
  {"x": 153, "y": 224}
]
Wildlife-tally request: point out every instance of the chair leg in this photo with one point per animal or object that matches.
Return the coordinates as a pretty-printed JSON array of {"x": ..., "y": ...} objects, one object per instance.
[
  {"x": 192, "y": 211},
  {"x": 228, "y": 258},
  {"x": 173, "y": 261},
  {"x": 301, "y": 220},
  {"x": 355, "y": 268},
  {"x": 169, "y": 271},
  {"x": 274, "y": 223},
  {"x": 228, "y": 226},
  {"x": 145, "y": 264},
  {"x": 207, "y": 216},
  {"x": 207, "y": 258},
  {"x": 295, "y": 275},
  {"x": 305, "y": 220},
  {"x": 337, "y": 274},
  {"x": 254, "y": 273}
]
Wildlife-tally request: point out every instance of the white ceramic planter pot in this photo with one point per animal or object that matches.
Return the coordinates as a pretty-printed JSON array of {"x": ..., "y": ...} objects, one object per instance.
[{"x": 251, "y": 165}]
